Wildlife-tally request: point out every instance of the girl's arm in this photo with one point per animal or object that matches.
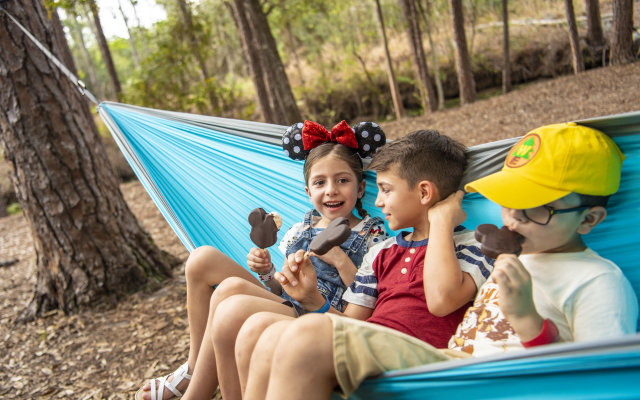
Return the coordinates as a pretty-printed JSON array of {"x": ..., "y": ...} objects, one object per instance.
[
  {"x": 259, "y": 261},
  {"x": 339, "y": 259},
  {"x": 299, "y": 279}
]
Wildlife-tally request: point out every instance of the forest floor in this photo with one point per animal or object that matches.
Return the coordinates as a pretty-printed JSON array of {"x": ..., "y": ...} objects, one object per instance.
[{"x": 108, "y": 352}]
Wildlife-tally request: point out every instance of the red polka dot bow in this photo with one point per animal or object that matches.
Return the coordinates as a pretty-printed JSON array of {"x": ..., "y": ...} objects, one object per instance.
[{"x": 314, "y": 134}]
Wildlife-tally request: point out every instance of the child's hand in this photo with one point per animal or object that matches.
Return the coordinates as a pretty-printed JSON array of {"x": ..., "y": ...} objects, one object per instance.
[
  {"x": 298, "y": 278},
  {"x": 259, "y": 260},
  {"x": 336, "y": 256},
  {"x": 516, "y": 296},
  {"x": 449, "y": 210}
]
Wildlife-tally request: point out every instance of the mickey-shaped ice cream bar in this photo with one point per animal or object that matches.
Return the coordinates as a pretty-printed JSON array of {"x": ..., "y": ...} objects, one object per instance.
[
  {"x": 264, "y": 227},
  {"x": 334, "y": 234},
  {"x": 498, "y": 241}
]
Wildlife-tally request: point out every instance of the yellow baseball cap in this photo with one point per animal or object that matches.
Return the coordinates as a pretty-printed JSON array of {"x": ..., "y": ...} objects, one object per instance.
[{"x": 549, "y": 163}]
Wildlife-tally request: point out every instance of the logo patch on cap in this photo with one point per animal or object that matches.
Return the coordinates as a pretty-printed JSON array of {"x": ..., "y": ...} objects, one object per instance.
[{"x": 523, "y": 151}]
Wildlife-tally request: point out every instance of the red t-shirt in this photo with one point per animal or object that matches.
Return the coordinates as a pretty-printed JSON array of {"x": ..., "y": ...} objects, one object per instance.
[{"x": 401, "y": 304}]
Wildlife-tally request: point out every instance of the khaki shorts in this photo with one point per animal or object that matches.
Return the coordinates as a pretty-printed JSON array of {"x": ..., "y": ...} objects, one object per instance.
[{"x": 362, "y": 349}]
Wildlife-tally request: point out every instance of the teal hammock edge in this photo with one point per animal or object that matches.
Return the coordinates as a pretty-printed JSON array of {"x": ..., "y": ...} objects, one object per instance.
[{"x": 566, "y": 371}]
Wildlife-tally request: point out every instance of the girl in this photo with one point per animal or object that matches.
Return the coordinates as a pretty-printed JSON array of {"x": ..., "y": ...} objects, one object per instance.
[{"x": 335, "y": 185}]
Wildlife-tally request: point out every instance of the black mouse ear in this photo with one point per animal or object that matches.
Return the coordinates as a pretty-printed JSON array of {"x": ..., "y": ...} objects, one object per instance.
[
  {"x": 370, "y": 138},
  {"x": 256, "y": 216},
  {"x": 292, "y": 142}
]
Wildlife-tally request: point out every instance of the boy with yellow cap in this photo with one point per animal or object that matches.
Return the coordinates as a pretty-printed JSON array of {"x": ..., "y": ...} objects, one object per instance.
[{"x": 553, "y": 189}]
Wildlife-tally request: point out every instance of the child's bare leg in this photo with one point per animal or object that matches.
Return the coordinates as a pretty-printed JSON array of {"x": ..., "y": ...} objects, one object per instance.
[
  {"x": 205, "y": 375},
  {"x": 231, "y": 314},
  {"x": 205, "y": 268},
  {"x": 306, "y": 370},
  {"x": 261, "y": 331}
]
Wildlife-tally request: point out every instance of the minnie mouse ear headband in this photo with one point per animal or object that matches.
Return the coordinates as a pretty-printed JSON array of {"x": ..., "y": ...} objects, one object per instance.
[{"x": 300, "y": 138}]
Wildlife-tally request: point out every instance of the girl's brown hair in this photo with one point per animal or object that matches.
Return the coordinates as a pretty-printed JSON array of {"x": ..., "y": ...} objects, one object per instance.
[{"x": 343, "y": 153}]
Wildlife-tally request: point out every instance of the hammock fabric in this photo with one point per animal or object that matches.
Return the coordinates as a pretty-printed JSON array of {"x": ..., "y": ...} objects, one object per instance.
[{"x": 206, "y": 174}]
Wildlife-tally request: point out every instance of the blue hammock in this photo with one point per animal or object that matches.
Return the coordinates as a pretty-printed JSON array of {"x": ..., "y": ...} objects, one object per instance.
[{"x": 206, "y": 174}]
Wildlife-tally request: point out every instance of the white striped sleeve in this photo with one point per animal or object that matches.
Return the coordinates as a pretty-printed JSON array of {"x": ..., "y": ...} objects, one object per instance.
[
  {"x": 364, "y": 289},
  {"x": 470, "y": 258}
]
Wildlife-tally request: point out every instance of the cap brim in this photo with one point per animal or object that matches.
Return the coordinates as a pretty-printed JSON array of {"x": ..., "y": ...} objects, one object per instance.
[{"x": 512, "y": 191}]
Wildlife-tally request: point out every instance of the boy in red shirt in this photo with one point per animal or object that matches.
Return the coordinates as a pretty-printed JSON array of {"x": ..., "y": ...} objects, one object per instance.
[{"x": 403, "y": 284}]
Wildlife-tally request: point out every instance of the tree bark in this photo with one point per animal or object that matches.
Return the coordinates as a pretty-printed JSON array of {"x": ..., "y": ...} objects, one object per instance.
[
  {"x": 506, "y": 60},
  {"x": 595, "y": 37},
  {"x": 104, "y": 50},
  {"x": 76, "y": 33},
  {"x": 574, "y": 40},
  {"x": 622, "y": 32},
  {"x": 270, "y": 79},
  {"x": 89, "y": 247},
  {"x": 425, "y": 85},
  {"x": 463, "y": 60},
  {"x": 285, "y": 106},
  {"x": 393, "y": 83},
  {"x": 426, "y": 17},
  {"x": 252, "y": 57},
  {"x": 3, "y": 207}
]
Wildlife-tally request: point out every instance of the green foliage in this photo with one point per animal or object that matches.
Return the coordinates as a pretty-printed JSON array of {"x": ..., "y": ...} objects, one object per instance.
[
  {"x": 331, "y": 50},
  {"x": 14, "y": 208}
]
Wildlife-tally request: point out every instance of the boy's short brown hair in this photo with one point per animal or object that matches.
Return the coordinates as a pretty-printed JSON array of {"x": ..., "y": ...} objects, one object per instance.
[{"x": 424, "y": 155}]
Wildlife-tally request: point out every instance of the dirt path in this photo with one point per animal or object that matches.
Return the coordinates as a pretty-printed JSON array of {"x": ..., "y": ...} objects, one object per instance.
[{"x": 108, "y": 352}]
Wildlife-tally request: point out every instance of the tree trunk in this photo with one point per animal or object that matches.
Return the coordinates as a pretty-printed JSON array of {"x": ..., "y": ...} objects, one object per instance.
[
  {"x": 622, "y": 32},
  {"x": 595, "y": 37},
  {"x": 463, "y": 60},
  {"x": 293, "y": 48},
  {"x": 427, "y": 92},
  {"x": 104, "y": 49},
  {"x": 506, "y": 61},
  {"x": 139, "y": 25},
  {"x": 574, "y": 40},
  {"x": 76, "y": 33},
  {"x": 393, "y": 83},
  {"x": 132, "y": 43},
  {"x": 426, "y": 17},
  {"x": 89, "y": 247},
  {"x": 285, "y": 106},
  {"x": 3, "y": 206},
  {"x": 252, "y": 57}
]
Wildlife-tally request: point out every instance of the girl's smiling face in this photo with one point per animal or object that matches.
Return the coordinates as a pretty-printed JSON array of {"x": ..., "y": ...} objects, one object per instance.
[{"x": 333, "y": 189}]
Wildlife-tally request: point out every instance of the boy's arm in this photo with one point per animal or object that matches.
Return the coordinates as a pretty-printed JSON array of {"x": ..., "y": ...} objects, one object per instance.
[
  {"x": 446, "y": 286},
  {"x": 356, "y": 311},
  {"x": 516, "y": 297}
]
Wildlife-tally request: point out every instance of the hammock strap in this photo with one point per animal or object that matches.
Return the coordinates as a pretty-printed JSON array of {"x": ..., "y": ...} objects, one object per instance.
[{"x": 72, "y": 77}]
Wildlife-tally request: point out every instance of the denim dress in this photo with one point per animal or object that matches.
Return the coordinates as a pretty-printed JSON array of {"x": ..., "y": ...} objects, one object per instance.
[{"x": 329, "y": 282}]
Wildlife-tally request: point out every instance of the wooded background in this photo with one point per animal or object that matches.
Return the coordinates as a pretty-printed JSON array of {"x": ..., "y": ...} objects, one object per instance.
[{"x": 327, "y": 60}]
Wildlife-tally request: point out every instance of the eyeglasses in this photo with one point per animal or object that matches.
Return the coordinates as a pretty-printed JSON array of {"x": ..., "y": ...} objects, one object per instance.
[{"x": 542, "y": 215}]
